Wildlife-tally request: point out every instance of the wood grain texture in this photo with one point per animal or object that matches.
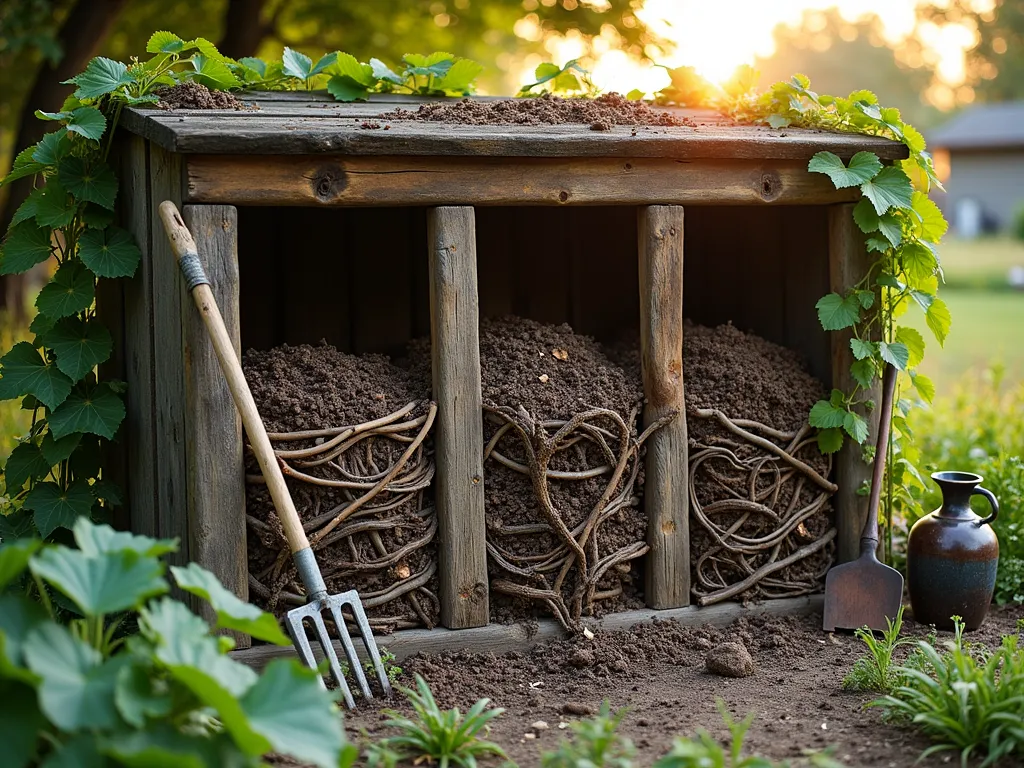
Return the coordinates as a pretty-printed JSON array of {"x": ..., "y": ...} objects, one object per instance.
[
  {"x": 849, "y": 261},
  {"x": 502, "y": 638},
  {"x": 213, "y": 430},
  {"x": 482, "y": 181},
  {"x": 459, "y": 439},
  {"x": 666, "y": 484},
  {"x": 168, "y": 360},
  {"x": 316, "y": 127},
  {"x": 139, "y": 430}
]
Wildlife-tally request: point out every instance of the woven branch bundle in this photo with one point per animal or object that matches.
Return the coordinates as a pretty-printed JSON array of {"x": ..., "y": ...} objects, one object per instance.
[
  {"x": 576, "y": 565},
  {"x": 759, "y": 499},
  {"x": 360, "y": 491}
]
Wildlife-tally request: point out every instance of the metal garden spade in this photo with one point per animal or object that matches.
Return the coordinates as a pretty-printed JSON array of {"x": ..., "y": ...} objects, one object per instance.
[
  {"x": 316, "y": 590},
  {"x": 866, "y": 592}
]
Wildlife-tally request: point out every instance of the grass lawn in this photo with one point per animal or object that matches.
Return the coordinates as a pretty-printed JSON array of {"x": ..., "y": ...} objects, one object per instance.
[{"x": 982, "y": 263}]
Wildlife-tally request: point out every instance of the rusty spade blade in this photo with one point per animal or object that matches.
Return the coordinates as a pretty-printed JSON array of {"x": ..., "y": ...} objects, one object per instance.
[
  {"x": 184, "y": 248},
  {"x": 866, "y": 592}
]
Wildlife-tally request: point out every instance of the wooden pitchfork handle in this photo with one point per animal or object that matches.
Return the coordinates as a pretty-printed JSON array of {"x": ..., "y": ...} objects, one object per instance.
[{"x": 199, "y": 286}]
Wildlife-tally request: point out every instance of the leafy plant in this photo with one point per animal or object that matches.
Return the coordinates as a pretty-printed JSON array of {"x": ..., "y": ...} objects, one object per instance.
[
  {"x": 570, "y": 78},
  {"x": 963, "y": 702},
  {"x": 877, "y": 670},
  {"x": 82, "y": 695},
  {"x": 596, "y": 743},
  {"x": 447, "y": 737}
]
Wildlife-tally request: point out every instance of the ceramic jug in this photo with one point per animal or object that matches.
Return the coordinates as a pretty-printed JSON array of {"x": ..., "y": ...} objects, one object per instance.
[{"x": 952, "y": 556}]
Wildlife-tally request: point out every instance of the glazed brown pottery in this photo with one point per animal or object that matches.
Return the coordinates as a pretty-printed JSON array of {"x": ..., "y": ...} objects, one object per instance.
[{"x": 952, "y": 556}]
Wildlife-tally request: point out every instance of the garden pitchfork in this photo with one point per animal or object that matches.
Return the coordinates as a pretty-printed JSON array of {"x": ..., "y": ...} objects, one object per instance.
[{"x": 184, "y": 248}]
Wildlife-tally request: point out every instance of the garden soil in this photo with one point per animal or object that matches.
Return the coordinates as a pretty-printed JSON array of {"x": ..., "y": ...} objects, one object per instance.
[
  {"x": 600, "y": 113},
  {"x": 196, "y": 96},
  {"x": 314, "y": 387},
  {"x": 658, "y": 672}
]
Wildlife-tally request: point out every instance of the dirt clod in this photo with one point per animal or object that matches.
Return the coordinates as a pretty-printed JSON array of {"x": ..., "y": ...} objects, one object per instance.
[
  {"x": 729, "y": 660},
  {"x": 600, "y": 114},
  {"x": 196, "y": 96}
]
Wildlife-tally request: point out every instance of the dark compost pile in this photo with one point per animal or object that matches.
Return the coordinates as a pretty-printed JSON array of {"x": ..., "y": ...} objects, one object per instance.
[
  {"x": 351, "y": 432},
  {"x": 561, "y": 472}
]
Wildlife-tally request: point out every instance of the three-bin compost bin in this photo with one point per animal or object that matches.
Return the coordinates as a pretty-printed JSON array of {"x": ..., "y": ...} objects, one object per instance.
[{"x": 467, "y": 339}]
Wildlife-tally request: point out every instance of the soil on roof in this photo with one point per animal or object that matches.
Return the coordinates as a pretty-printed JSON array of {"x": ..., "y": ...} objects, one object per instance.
[{"x": 197, "y": 96}]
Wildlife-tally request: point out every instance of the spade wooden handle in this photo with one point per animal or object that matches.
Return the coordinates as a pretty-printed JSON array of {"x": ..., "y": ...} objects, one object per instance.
[
  {"x": 184, "y": 247},
  {"x": 869, "y": 536}
]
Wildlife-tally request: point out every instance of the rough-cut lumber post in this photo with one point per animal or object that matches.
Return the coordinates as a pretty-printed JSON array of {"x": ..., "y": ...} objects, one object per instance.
[
  {"x": 459, "y": 438},
  {"x": 213, "y": 430},
  {"x": 848, "y": 262},
  {"x": 666, "y": 484}
]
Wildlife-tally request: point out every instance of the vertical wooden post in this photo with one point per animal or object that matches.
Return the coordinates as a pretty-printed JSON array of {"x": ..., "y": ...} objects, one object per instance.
[
  {"x": 848, "y": 262},
  {"x": 666, "y": 484},
  {"x": 213, "y": 430},
  {"x": 458, "y": 436}
]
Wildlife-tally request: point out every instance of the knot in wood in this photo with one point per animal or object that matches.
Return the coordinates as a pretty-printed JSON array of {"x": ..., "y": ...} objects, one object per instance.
[
  {"x": 327, "y": 183},
  {"x": 770, "y": 187}
]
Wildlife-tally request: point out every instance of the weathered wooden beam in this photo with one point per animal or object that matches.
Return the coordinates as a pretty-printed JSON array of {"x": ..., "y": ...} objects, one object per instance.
[
  {"x": 849, "y": 261},
  {"x": 501, "y": 638},
  {"x": 383, "y": 181},
  {"x": 458, "y": 437},
  {"x": 215, "y": 475},
  {"x": 666, "y": 483}
]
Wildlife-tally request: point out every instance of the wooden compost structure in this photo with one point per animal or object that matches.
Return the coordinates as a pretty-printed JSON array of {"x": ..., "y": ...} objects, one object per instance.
[{"x": 312, "y": 224}]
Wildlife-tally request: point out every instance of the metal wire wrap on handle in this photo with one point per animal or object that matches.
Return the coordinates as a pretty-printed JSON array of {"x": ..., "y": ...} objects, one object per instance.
[{"x": 192, "y": 270}]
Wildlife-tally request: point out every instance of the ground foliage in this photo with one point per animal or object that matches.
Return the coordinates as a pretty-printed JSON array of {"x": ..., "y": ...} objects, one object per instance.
[{"x": 83, "y": 693}]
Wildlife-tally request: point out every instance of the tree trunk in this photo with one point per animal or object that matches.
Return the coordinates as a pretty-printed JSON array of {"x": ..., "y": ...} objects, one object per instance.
[
  {"x": 244, "y": 28},
  {"x": 81, "y": 35}
]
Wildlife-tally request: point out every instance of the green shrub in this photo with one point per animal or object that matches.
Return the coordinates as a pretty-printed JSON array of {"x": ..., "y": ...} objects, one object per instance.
[
  {"x": 81, "y": 695},
  {"x": 963, "y": 700},
  {"x": 595, "y": 743},
  {"x": 446, "y": 737}
]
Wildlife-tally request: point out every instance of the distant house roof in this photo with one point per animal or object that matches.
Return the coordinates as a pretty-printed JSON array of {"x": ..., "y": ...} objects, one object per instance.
[{"x": 986, "y": 126}]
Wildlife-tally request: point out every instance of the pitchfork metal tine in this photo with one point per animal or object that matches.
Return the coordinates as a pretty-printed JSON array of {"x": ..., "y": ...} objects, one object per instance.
[
  {"x": 371, "y": 647},
  {"x": 350, "y": 649},
  {"x": 328, "y": 647}
]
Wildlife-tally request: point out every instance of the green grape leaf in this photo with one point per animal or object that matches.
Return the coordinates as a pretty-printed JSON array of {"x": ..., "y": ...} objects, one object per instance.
[
  {"x": 27, "y": 210},
  {"x": 17, "y": 525},
  {"x": 922, "y": 298},
  {"x": 71, "y": 290},
  {"x": 40, "y": 325},
  {"x": 77, "y": 687},
  {"x": 24, "y": 165},
  {"x": 895, "y": 353},
  {"x": 324, "y": 62},
  {"x": 461, "y": 76},
  {"x": 26, "y": 461},
  {"x": 918, "y": 260},
  {"x": 21, "y": 722},
  {"x": 18, "y": 616},
  {"x": 52, "y": 148},
  {"x": 855, "y": 427},
  {"x": 346, "y": 65},
  {"x": 877, "y": 244},
  {"x": 25, "y": 246},
  {"x": 924, "y": 386},
  {"x": 436, "y": 64},
  {"x": 914, "y": 342},
  {"x": 863, "y": 372},
  {"x": 14, "y": 559},
  {"x": 890, "y": 228},
  {"x": 837, "y": 313},
  {"x": 863, "y": 167},
  {"x": 213, "y": 73},
  {"x": 932, "y": 224},
  {"x": 258, "y": 66},
  {"x": 232, "y": 613},
  {"x": 382, "y": 71},
  {"x": 25, "y": 372},
  {"x": 92, "y": 183},
  {"x": 865, "y": 298},
  {"x": 779, "y": 121},
  {"x": 56, "y": 508},
  {"x": 824, "y": 415},
  {"x": 95, "y": 410},
  {"x": 165, "y": 42},
  {"x": 830, "y": 440},
  {"x": 54, "y": 208},
  {"x": 209, "y": 50},
  {"x": 79, "y": 346},
  {"x": 101, "y": 76},
  {"x": 913, "y": 139},
  {"x": 88, "y": 122},
  {"x": 96, "y": 540},
  {"x": 110, "y": 252},
  {"x": 56, "y": 451},
  {"x": 108, "y": 492},
  {"x": 136, "y": 699},
  {"x": 890, "y": 188},
  {"x": 938, "y": 319},
  {"x": 97, "y": 217},
  {"x": 296, "y": 64},
  {"x": 289, "y": 709},
  {"x": 865, "y": 216},
  {"x": 862, "y": 349},
  {"x": 344, "y": 88},
  {"x": 97, "y": 585}
]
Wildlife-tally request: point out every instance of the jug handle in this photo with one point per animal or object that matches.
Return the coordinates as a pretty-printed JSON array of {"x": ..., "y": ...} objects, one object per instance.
[{"x": 979, "y": 491}]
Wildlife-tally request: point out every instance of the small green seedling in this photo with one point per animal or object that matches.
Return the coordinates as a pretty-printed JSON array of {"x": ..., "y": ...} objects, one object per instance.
[
  {"x": 877, "y": 671},
  {"x": 596, "y": 743}
]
